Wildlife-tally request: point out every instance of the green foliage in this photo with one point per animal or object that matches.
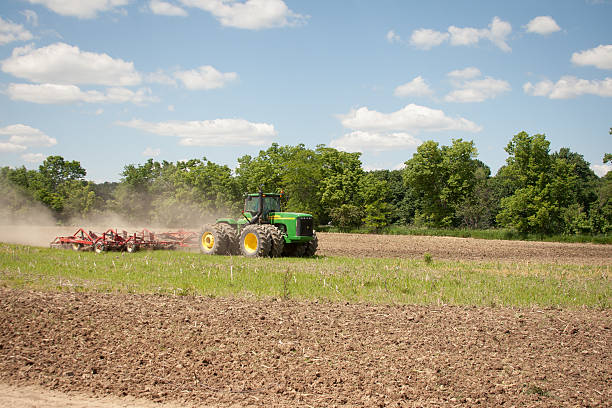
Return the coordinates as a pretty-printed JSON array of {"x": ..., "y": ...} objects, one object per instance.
[
  {"x": 554, "y": 192},
  {"x": 441, "y": 178},
  {"x": 347, "y": 216}
]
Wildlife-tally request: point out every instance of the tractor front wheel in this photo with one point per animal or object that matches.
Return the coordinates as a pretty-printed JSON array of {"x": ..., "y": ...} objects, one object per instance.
[
  {"x": 255, "y": 241},
  {"x": 213, "y": 241}
]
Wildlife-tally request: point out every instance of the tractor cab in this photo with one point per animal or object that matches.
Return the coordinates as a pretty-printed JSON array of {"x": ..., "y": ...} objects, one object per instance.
[{"x": 269, "y": 202}]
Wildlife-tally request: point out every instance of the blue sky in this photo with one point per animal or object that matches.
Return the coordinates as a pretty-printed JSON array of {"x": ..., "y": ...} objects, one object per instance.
[{"x": 114, "y": 82}]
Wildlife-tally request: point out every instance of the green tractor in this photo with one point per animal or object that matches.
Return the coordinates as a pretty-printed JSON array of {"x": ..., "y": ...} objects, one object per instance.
[{"x": 263, "y": 231}]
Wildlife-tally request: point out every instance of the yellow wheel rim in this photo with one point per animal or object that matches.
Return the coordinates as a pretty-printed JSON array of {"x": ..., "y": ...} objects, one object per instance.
[
  {"x": 208, "y": 240},
  {"x": 250, "y": 242}
]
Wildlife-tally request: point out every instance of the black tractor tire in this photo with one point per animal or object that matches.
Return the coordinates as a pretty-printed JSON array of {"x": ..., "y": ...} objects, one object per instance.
[
  {"x": 294, "y": 250},
  {"x": 310, "y": 248},
  {"x": 213, "y": 240},
  {"x": 233, "y": 247},
  {"x": 255, "y": 241},
  {"x": 277, "y": 240}
]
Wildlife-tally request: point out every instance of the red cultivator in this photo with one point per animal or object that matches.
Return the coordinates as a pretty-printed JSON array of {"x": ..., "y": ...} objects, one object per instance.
[{"x": 111, "y": 240}]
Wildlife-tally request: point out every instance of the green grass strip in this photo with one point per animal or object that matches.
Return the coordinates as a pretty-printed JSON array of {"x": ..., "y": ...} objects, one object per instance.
[{"x": 335, "y": 279}]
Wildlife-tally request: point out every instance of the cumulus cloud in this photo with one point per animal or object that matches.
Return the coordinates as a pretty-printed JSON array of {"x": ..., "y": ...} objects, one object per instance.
[
  {"x": 601, "y": 169},
  {"x": 416, "y": 87},
  {"x": 250, "y": 14},
  {"x": 80, "y": 8},
  {"x": 151, "y": 152},
  {"x": 10, "y": 32},
  {"x": 33, "y": 157},
  {"x": 65, "y": 94},
  {"x": 21, "y": 137},
  {"x": 408, "y": 119},
  {"x": 543, "y": 25},
  {"x": 426, "y": 39},
  {"x": 466, "y": 73},
  {"x": 166, "y": 9},
  {"x": 497, "y": 32},
  {"x": 61, "y": 63},
  {"x": 217, "y": 132},
  {"x": 376, "y": 131},
  {"x": 205, "y": 77},
  {"x": 569, "y": 87},
  {"x": 360, "y": 141},
  {"x": 8, "y": 147},
  {"x": 393, "y": 37},
  {"x": 600, "y": 57},
  {"x": 478, "y": 90}
]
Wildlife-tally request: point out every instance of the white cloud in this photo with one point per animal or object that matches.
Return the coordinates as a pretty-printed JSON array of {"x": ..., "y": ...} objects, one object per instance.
[
  {"x": 159, "y": 77},
  {"x": 205, "y": 77},
  {"x": 466, "y": 73},
  {"x": 393, "y": 37},
  {"x": 64, "y": 94},
  {"x": 497, "y": 32},
  {"x": 80, "y": 8},
  {"x": 467, "y": 35},
  {"x": 425, "y": 38},
  {"x": 217, "y": 132},
  {"x": 543, "y": 25},
  {"x": 31, "y": 17},
  {"x": 10, "y": 32},
  {"x": 478, "y": 90},
  {"x": 23, "y": 136},
  {"x": 151, "y": 152},
  {"x": 7, "y": 147},
  {"x": 601, "y": 169},
  {"x": 61, "y": 63},
  {"x": 33, "y": 157},
  {"x": 166, "y": 9},
  {"x": 416, "y": 87},
  {"x": 600, "y": 57},
  {"x": 570, "y": 87},
  {"x": 410, "y": 118},
  {"x": 360, "y": 141},
  {"x": 250, "y": 14}
]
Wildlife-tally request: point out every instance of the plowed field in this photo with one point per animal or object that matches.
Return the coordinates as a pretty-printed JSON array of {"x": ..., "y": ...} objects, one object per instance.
[
  {"x": 467, "y": 249},
  {"x": 223, "y": 352}
]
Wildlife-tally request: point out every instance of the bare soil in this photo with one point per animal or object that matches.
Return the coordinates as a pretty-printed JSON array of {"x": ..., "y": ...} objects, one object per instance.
[
  {"x": 236, "y": 352},
  {"x": 466, "y": 249}
]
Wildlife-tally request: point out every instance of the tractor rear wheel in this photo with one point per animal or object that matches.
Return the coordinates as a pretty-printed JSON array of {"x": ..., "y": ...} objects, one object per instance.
[
  {"x": 233, "y": 248},
  {"x": 294, "y": 250},
  {"x": 212, "y": 240},
  {"x": 255, "y": 241},
  {"x": 277, "y": 240}
]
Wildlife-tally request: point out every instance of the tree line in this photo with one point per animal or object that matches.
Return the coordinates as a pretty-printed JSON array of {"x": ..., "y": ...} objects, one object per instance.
[{"x": 536, "y": 191}]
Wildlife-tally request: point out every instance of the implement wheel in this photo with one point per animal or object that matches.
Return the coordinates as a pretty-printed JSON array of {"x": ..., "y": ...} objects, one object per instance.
[
  {"x": 213, "y": 241},
  {"x": 255, "y": 241},
  {"x": 99, "y": 247}
]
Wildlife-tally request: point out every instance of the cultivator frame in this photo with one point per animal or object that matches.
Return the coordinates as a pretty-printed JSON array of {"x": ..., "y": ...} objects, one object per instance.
[{"x": 111, "y": 240}]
